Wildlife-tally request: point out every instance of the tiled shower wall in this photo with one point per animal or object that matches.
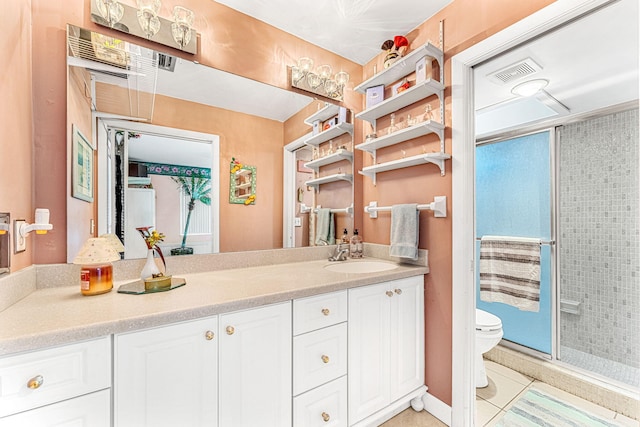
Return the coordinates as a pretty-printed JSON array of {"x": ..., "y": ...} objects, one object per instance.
[{"x": 599, "y": 236}]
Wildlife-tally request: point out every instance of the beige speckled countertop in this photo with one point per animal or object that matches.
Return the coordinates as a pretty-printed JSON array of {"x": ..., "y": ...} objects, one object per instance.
[{"x": 59, "y": 315}]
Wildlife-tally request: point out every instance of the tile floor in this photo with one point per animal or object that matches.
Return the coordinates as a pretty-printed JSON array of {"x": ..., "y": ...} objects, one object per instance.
[{"x": 505, "y": 386}]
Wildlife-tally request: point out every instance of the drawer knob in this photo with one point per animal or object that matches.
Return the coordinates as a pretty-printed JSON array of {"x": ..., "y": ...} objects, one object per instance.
[
  {"x": 325, "y": 417},
  {"x": 209, "y": 335},
  {"x": 230, "y": 330},
  {"x": 325, "y": 311},
  {"x": 325, "y": 358},
  {"x": 389, "y": 294},
  {"x": 35, "y": 382},
  {"x": 398, "y": 291}
]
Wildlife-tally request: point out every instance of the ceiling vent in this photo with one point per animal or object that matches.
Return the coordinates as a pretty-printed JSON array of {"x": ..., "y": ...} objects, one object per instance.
[
  {"x": 513, "y": 72},
  {"x": 166, "y": 62}
]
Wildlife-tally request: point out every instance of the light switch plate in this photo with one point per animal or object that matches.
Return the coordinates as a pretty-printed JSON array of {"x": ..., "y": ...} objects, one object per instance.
[
  {"x": 19, "y": 242},
  {"x": 297, "y": 222}
]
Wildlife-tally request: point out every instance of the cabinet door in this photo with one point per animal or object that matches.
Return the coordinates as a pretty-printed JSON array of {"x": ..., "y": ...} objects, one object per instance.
[
  {"x": 407, "y": 336},
  {"x": 91, "y": 410},
  {"x": 255, "y": 367},
  {"x": 369, "y": 355},
  {"x": 167, "y": 376}
]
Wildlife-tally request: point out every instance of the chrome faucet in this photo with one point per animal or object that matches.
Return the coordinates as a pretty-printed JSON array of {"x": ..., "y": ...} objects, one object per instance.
[{"x": 340, "y": 253}]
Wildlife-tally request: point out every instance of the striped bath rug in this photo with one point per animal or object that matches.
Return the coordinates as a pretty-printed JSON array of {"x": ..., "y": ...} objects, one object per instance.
[{"x": 539, "y": 409}]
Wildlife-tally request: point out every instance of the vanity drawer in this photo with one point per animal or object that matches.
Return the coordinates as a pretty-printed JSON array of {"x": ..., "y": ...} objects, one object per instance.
[
  {"x": 319, "y": 357},
  {"x": 325, "y": 406},
  {"x": 91, "y": 410},
  {"x": 319, "y": 311},
  {"x": 30, "y": 380}
]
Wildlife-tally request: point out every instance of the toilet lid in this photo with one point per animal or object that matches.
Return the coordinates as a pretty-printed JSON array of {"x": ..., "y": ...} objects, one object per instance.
[{"x": 487, "y": 321}]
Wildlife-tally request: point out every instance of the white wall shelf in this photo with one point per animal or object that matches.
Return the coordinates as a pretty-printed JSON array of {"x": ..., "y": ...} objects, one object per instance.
[
  {"x": 413, "y": 94},
  {"x": 329, "y": 178},
  {"x": 333, "y": 132},
  {"x": 338, "y": 156},
  {"x": 402, "y": 67},
  {"x": 325, "y": 113},
  {"x": 402, "y": 135},
  {"x": 435, "y": 158}
]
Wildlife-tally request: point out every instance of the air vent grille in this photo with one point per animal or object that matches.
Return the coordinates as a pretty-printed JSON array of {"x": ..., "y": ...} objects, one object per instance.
[
  {"x": 166, "y": 62},
  {"x": 514, "y": 72}
]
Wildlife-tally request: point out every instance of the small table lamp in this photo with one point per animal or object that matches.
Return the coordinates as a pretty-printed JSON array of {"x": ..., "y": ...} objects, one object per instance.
[{"x": 95, "y": 257}]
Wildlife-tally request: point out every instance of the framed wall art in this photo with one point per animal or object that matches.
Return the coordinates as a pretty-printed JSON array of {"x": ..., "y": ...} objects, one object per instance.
[{"x": 82, "y": 167}]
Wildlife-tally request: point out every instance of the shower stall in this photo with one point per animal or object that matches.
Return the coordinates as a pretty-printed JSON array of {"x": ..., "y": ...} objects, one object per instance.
[{"x": 576, "y": 188}]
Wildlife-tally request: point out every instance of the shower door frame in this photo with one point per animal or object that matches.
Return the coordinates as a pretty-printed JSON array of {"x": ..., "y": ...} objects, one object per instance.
[{"x": 463, "y": 175}]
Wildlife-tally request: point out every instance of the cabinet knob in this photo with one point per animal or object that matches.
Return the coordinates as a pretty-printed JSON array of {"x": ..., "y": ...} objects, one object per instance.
[
  {"x": 325, "y": 417},
  {"x": 389, "y": 294},
  {"x": 325, "y": 358},
  {"x": 35, "y": 382},
  {"x": 325, "y": 311},
  {"x": 398, "y": 291},
  {"x": 209, "y": 335},
  {"x": 230, "y": 330}
]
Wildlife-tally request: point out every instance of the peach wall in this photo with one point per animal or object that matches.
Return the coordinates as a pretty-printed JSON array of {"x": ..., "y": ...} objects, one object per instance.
[
  {"x": 79, "y": 212},
  {"x": 16, "y": 118},
  {"x": 465, "y": 22}
]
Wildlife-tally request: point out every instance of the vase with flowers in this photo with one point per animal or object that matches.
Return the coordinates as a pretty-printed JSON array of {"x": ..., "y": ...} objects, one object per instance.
[{"x": 151, "y": 275}]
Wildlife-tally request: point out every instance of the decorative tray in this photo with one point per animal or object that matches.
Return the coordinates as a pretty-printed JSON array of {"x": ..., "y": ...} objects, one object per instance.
[{"x": 138, "y": 288}]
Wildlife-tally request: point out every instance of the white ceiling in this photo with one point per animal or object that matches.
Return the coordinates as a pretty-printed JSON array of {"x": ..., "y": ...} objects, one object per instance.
[
  {"x": 354, "y": 29},
  {"x": 590, "y": 64}
]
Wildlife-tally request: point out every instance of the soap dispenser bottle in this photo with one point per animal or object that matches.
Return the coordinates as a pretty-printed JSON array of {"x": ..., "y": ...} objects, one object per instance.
[
  {"x": 345, "y": 236},
  {"x": 355, "y": 246}
]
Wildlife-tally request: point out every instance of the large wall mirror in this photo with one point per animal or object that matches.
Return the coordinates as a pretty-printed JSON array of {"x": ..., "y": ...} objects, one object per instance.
[{"x": 146, "y": 110}]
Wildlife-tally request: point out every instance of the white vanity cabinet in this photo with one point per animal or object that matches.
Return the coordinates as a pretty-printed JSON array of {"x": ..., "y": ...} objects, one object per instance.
[
  {"x": 255, "y": 367},
  {"x": 386, "y": 348},
  {"x": 67, "y": 385},
  {"x": 167, "y": 376}
]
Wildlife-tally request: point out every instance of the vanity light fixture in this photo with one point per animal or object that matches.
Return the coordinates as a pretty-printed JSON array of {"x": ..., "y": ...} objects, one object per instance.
[
  {"x": 111, "y": 10},
  {"x": 182, "y": 24},
  {"x": 320, "y": 81},
  {"x": 530, "y": 87},
  {"x": 22, "y": 228},
  {"x": 144, "y": 21},
  {"x": 148, "y": 16},
  {"x": 95, "y": 258}
]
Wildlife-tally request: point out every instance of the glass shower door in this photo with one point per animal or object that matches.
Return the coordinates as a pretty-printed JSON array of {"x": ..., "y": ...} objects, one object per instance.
[{"x": 514, "y": 198}]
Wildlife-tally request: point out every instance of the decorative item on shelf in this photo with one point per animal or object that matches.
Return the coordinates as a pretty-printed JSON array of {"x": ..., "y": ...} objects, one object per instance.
[
  {"x": 151, "y": 275},
  {"x": 196, "y": 189},
  {"x": 144, "y": 21},
  {"x": 400, "y": 87},
  {"x": 411, "y": 121},
  {"x": 392, "y": 126},
  {"x": 395, "y": 49},
  {"x": 320, "y": 81},
  {"x": 95, "y": 258},
  {"x": 423, "y": 69},
  {"x": 374, "y": 96},
  {"x": 428, "y": 113}
]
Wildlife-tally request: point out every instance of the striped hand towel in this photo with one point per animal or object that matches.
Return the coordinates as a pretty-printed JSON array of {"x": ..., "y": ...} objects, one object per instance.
[{"x": 510, "y": 271}]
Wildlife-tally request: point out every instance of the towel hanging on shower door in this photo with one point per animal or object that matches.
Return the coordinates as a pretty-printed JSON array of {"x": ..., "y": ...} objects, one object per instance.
[{"x": 510, "y": 271}]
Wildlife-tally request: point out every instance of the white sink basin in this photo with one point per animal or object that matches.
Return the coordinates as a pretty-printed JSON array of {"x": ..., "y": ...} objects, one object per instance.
[{"x": 360, "y": 266}]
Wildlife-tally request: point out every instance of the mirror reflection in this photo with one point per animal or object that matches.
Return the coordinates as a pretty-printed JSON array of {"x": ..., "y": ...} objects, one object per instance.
[{"x": 186, "y": 104}]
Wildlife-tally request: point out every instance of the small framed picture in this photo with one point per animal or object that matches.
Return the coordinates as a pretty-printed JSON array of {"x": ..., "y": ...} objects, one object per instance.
[
  {"x": 82, "y": 167},
  {"x": 302, "y": 168}
]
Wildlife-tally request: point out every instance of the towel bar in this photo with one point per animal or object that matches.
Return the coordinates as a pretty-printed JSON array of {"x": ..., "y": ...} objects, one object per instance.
[
  {"x": 438, "y": 206},
  {"x": 542, "y": 242},
  {"x": 306, "y": 209}
]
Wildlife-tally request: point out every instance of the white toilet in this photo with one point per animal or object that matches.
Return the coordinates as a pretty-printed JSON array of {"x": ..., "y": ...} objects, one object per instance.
[{"x": 488, "y": 335}]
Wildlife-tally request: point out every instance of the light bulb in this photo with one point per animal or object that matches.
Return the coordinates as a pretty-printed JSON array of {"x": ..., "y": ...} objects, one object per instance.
[
  {"x": 342, "y": 78},
  {"x": 324, "y": 71},
  {"x": 181, "y": 27},
  {"x": 148, "y": 16},
  {"x": 305, "y": 64}
]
